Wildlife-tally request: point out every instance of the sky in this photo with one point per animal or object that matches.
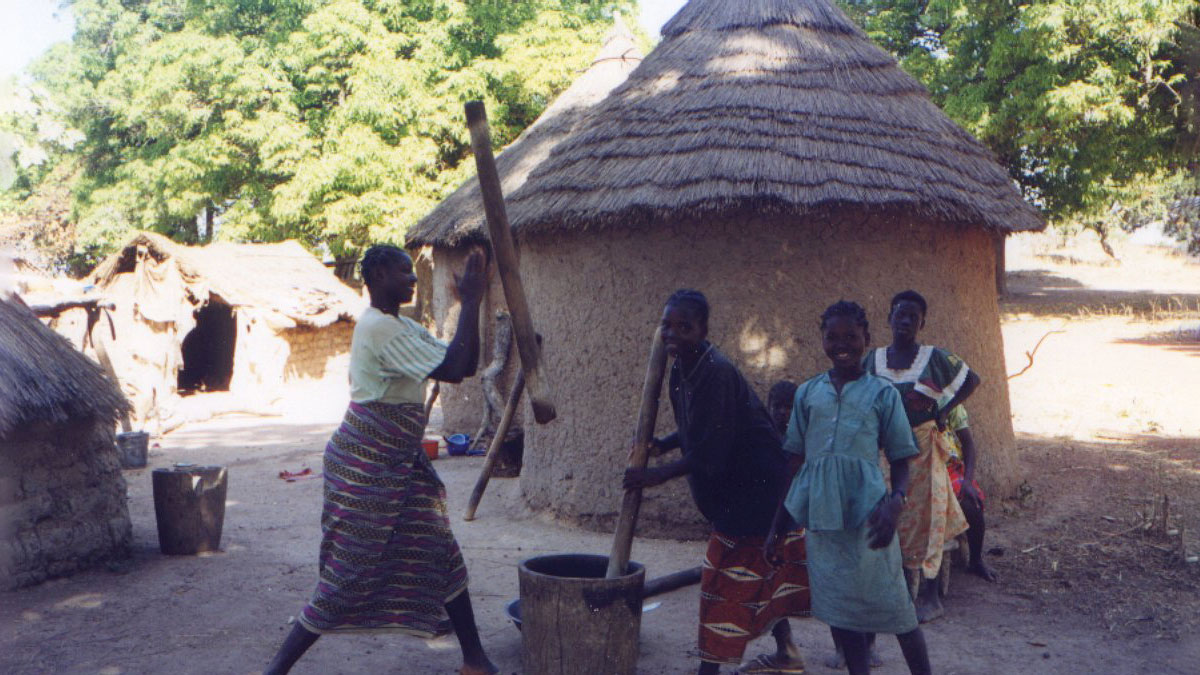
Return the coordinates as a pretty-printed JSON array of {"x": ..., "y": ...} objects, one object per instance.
[
  {"x": 28, "y": 28},
  {"x": 31, "y": 26},
  {"x": 655, "y": 13}
]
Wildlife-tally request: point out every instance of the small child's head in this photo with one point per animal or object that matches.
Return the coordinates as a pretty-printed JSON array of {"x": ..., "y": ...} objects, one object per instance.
[
  {"x": 906, "y": 315},
  {"x": 779, "y": 403},
  {"x": 685, "y": 321},
  {"x": 845, "y": 334}
]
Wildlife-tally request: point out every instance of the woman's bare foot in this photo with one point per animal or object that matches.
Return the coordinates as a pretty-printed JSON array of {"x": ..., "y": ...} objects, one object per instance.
[
  {"x": 979, "y": 569},
  {"x": 488, "y": 668},
  {"x": 929, "y": 602}
]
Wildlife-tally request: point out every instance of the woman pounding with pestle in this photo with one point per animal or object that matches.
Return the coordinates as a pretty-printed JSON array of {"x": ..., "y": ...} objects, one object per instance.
[
  {"x": 733, "y": 459},
  {"x": 388, "y": 560}
]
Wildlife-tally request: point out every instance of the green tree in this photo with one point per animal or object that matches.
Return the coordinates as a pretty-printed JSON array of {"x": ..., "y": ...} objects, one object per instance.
[
  {"x": 331, "y": 121},
  {"x": 1080, "y": 100}
]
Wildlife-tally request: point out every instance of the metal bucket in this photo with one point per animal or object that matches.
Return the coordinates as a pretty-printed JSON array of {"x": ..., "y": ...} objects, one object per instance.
[{"x": 132, "y": 449}]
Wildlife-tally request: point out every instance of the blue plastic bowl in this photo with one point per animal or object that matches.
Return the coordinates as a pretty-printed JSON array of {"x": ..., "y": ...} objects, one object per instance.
[{"x": 458, "y": 444}]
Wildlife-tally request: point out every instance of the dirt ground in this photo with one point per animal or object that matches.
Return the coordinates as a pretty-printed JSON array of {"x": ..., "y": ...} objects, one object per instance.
[{"x": 1093, "y": 577}]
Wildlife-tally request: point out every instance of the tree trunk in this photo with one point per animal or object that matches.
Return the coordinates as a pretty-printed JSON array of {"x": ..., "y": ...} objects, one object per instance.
[{"x": 493, "y": 400}]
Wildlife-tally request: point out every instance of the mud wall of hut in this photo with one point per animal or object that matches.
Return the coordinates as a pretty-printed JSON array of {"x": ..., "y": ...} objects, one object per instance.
[
  {"x": 600, "y": 296},
  {"x": 62, "y": 503},
  {"x": 312, "y": 351}
]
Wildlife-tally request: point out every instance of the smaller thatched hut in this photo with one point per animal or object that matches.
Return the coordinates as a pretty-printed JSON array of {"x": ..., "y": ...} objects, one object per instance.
[
  {"x": 237, "y": 318},
  {"x": 62, "y": 496}
]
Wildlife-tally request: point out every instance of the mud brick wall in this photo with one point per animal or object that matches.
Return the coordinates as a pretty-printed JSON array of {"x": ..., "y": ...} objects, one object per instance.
[
  {"x": 598, "y": 297},
  {"x": 62, "y": 503},
  {"x": 312, "y": 349}
]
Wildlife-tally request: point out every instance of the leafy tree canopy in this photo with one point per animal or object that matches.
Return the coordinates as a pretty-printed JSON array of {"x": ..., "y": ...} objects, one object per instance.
[
  {"x": 332, "y": 121},
  {"x": 1085, "y": 102}
]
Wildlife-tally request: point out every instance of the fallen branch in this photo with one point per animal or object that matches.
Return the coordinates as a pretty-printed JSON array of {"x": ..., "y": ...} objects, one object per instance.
[
  {"x": 1029, "y": 355},
  {"x": 1139, "y": 526}
]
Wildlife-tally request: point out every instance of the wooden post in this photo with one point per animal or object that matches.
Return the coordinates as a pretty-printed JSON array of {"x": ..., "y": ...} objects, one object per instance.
[
  {"x": 433, "y": 397},
  {"x": 618, "y": 560},
  {"x": 493, "y": 454},
  {"x": 507, "y": 264},
  {"x": 670, "y": 582},
  {"x": 97, "y": 340}
]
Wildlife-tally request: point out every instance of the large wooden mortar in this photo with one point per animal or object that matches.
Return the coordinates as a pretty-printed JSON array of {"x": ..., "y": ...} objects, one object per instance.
[
  {"x": 576, "y": 622},
  {"x": 189, "y": 507}
]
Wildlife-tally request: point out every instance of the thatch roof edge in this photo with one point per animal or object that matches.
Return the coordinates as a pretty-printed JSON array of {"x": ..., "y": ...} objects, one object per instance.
[
  {"x": 238, "y": 274},
  {"x": 43, "y": 379}
]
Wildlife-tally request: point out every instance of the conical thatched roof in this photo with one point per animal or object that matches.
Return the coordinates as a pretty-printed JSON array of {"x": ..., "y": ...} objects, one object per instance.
[
  {"x": 766, "y": 106},
  {"x": 43, "y": 378},
  {"x": 282, "y": 278},
  {"x": 459, "y": 218}
]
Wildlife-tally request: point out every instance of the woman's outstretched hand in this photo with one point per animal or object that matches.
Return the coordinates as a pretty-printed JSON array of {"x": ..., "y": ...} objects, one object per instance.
[
  {"x": 882, "y": 521},
  {"x": 472, "y": 283}
]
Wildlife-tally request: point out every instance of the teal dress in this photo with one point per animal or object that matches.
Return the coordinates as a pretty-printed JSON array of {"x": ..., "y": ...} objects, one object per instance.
[{"x": 854, "y": 587}]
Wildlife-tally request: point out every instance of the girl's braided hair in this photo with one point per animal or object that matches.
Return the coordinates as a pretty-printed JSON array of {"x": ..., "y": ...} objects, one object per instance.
[
  {"x": 693, "y": 300},
  {"x": 378, "y": 257},
  {"x": 850, "y": 310}
]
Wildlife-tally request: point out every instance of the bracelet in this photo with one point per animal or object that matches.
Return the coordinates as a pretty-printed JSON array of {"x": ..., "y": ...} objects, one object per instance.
[{"x": 903, "y": 497}]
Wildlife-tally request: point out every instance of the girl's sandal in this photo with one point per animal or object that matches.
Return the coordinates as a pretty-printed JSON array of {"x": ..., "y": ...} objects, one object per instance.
[{"x": 770, "y": 663}]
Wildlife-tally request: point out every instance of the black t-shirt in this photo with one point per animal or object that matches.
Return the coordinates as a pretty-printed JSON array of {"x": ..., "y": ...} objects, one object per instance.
[{"x": 738, "y": 465}]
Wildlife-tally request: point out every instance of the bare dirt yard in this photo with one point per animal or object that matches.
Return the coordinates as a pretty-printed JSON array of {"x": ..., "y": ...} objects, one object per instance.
[{"x": 1092, "y": 550}]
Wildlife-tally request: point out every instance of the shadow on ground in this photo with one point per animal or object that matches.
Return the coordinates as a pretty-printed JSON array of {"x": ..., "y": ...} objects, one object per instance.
[
  {"x": 1107, "y": 528},
  {"x": 1045, "y": 293},
  {"x": 1185, "y": 340}
]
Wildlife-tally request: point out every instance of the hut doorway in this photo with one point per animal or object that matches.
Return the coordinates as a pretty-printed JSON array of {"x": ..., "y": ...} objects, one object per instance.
[{"x": 208, "y": 350}]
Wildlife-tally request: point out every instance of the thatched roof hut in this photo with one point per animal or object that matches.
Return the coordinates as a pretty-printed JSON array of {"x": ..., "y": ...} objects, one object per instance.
[
  {"x": 767, "y": 153},
  {"x": 62, "y": 497},
  {"x": 43, "y": 380},
  {"x": 283, "y": 280},
  {"x": 780, "y": 107},
  {"x": 458, "y": 221},
  {"x": 241, "y": 318}
]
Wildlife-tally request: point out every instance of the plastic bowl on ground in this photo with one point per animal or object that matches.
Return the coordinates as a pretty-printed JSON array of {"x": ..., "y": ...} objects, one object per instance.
[{"x": 458, "y": 444}]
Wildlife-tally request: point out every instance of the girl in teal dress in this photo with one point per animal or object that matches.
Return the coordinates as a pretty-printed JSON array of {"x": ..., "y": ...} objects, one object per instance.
[{"x": 840, "y": 419}]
